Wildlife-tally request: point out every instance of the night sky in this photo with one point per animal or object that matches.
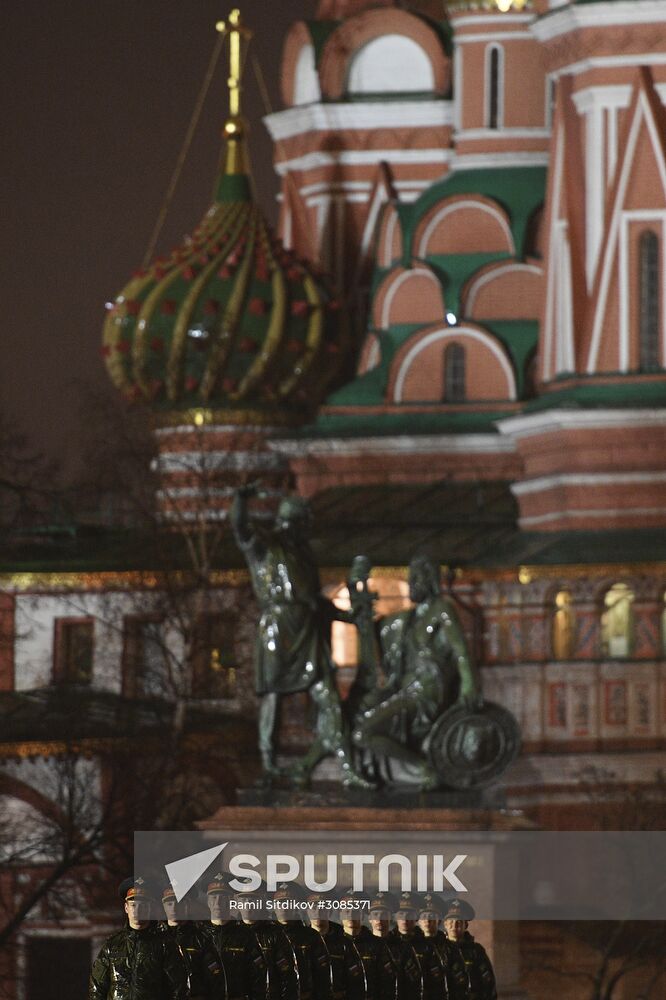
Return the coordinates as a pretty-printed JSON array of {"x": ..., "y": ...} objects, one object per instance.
[{"x": 98, "y": 95}]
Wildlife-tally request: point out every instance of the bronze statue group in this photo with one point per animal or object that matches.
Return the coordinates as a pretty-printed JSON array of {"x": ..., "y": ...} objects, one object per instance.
[
  {"x": 415, "y": 713},
  {"x": 384, "y": 948}
]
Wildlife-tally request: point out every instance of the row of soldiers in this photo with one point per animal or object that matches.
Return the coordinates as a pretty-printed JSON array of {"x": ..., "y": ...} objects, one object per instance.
[{"x": 428, "y": 955}]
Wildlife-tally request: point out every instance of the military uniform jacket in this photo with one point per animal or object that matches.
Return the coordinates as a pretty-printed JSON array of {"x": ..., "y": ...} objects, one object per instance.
[
  {"x": 456, "y": 973},
  {"x": 410, "y": 980},
  {"x": 280, "y": 961},
  {"x": 314, "y": 964},
  {"x": 479, "y": 969},
  {"x": 244, "y": 965},
  {"x": 433, "y": 968},
  {"x": 138, "y": 965},
  {"x": 205, "y": 975},
  {"x": 380, "y": 973},
  {"x": 347, "y": 972}
]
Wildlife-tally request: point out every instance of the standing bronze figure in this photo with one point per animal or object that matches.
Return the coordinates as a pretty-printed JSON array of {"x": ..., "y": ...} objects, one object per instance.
[{"x": 293, "y": 639}]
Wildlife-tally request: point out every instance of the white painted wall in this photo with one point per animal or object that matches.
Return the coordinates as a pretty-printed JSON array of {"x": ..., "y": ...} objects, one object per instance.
[
  {"x": 306, "y": 80},
  {"x": 390, "y": 64},
  {"x": 35, "y": 631}
]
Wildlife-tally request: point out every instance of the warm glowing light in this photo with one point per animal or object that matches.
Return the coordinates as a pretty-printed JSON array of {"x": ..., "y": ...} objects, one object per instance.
[
  {"x": 506, "y": 5},
  {"x": 199, "y": 418}
]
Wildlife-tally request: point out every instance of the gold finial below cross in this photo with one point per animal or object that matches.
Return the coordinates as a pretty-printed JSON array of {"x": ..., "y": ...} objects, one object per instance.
[{"x": 236, "y": 31}]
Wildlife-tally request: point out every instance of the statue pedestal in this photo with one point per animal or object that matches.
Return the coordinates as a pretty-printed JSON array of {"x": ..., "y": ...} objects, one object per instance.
[
  {"x": 322, "y": 809},
  {"x": 331, "y": 795}
]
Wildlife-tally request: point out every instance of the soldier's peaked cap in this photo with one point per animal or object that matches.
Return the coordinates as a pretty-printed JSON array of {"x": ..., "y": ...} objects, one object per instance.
[
  {"x": 407, "y": 901},
  {"x": 430, "y": 903},
  {"x": 458, "y": 909},
  {"x": 350, "y": 896},
  {"x": 289, "y": 890},
  {"x": 383, "y": 901},
  {"x": 219, "y": 883},
  {"x": 136, "y": 888}
]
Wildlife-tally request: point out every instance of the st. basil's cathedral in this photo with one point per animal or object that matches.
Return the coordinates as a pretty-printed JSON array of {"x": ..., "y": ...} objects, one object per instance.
[{"x": 454, "y": 343}]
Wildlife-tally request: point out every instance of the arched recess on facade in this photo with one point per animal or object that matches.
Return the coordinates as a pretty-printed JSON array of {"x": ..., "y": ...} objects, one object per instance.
[
  {"x": 389, "y": 237},
  {"x": 389, "y": 64},
  {"x": 506, "y": 290},
  {"x": 14, "y": 788},
  {"x": 299, "y": 80},
  {"x": 408, "y": 295},
  {"x": 615, "y": 610},
  {"x": 463, "y": 224},
  {"x": 419, "y": 369},
  {"x": 562, "y": 621},
  {"x": 348, "y": 41}
]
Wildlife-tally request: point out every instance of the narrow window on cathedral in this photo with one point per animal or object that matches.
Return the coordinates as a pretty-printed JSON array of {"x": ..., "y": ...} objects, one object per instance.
[
  {"x": 145, "y": 658},
  {"x": 617, "y": 622},
  {"x": 214, "y": 664},
  {"x": 494, "y": 72},
  {"x": 74, "y": 647},
  {"x": 648, "y": 276},
  {"x": 454, "y": 374},
  {"x": 563, "y": 626}
]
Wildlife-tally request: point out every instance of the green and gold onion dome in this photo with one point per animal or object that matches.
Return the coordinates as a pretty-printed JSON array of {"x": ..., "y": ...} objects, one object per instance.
[{"x": 230, "y": 320}]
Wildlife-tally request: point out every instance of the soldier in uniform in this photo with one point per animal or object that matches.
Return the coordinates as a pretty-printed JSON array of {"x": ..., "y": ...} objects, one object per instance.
[
  {"x": 382, "y": 905},
  {"x": 347, "y": 973},
  {"x": 275, "y": 947},
  {"x": 205, "y": 975},
  {"x": 314, "y": 964},
  {"x": 236, "y": 946},
  {"x": 380, "y": 973},
  {"x": 139, "y": 962},
  {"x": 401, "y": 944},
  {"x": 442, "y": 967},
  {"x": 480, "y": 974}
]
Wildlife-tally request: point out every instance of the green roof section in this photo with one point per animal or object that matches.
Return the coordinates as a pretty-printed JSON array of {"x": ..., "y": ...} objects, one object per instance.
[
  {"x": 354, "y": 424},
  {"x": 320, "y": 32},
  {"x": 591, "y": 393},
  {"x": 69, "y": 712},
  {"x": 86, "y": 548},
  {"x": 233, "y": 187},
  {"x": 471, "y": 524},
  {"x": 454, "y": 270},
  {"x": 520, "y": 190},
  {"x": 519, "y": 337}
]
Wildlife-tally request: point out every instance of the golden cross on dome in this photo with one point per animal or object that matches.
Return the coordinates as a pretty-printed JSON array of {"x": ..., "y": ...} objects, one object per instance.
[{"x": 237, "y": 32}]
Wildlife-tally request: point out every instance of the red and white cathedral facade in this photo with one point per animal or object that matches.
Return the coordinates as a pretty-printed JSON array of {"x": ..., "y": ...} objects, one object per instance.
[{"x": 485, "y": 182}]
